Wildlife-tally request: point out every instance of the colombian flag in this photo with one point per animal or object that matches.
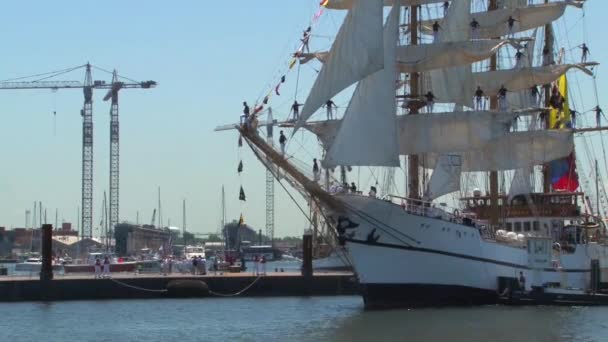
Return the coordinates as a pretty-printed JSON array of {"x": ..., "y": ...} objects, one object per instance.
[
  {"x": 561, "y": 119},
  {"x": 563, "y": 171}
]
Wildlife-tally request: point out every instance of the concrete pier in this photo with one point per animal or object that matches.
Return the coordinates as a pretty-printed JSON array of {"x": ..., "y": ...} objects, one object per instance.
[{"x": 126, "y": 286}]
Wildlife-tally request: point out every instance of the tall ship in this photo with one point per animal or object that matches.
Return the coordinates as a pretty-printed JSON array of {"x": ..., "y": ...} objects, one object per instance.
[{"x": 470, "y": 99}]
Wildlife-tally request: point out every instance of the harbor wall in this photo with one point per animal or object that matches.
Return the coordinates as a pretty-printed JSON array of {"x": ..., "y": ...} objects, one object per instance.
[{"x": 157, "y": 287}]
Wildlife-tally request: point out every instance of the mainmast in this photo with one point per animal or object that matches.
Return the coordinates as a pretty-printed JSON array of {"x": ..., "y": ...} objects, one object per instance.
[
  {"x": 547, "y": 59},
  {"x": 413, "y": 172},
  {"x": 494, "y": 208}
]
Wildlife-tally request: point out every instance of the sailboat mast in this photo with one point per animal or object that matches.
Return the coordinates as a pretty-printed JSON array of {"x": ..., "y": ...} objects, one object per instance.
[
  {"x": 494, "y": 208},
  {"x": 597, "y": 188},
  {"x": 549, "y": 60},
  {"x": 413, "y": 172}
]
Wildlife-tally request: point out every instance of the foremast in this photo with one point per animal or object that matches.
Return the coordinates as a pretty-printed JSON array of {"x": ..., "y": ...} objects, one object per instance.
[{"x": 413, "y": 159}]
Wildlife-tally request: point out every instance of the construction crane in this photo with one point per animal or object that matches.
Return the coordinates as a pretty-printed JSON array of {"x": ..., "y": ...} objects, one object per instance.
[{"x": 87, "y": 131}]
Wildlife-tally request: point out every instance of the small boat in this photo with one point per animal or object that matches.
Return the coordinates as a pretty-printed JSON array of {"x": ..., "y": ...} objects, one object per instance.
[
  {"x": 116, "y": 264},
  {"x": 555, "y": 296},
  {"x": 33, "y": 265},
  {"x": 336, "y": 261}
]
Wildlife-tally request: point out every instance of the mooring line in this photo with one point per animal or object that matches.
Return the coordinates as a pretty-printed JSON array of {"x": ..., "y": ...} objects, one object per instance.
[
  {"x": 137, "y": 287},
  {"x": 238, "y": 293}
]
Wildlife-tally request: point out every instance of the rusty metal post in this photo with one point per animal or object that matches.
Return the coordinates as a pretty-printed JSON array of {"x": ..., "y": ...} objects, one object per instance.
[
  {"x": 46, "y": 272},
  {"x": 307, "y": 255}
]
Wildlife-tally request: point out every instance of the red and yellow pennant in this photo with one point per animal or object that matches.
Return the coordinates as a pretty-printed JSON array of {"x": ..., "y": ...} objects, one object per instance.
[{"x": 324, "y": 3}]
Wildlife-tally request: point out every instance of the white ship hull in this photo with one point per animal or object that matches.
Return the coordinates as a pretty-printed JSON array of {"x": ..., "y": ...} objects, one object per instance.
[{"x": 418, "y": 260}]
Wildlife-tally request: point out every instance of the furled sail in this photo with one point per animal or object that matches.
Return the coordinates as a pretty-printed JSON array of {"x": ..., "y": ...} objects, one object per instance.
[
  {"x": 417, "y": 58},
  {"x": 522, "y": 78},
  {"x": 368, "y": 133},
  {"x": 424, "y": 57},
  {"x": 515, "y": 79},
  {"x": 445, "y": 178},
  {"x": 347, "y": 4},
  {"x": 356, "y": 53},
  {"x": 515, "y": 151},
  {"x": 494, "y": 23}
]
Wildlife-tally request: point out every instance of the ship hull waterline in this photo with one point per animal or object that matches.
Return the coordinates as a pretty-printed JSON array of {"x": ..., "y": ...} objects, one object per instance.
[{"x": 405, "y": 259}]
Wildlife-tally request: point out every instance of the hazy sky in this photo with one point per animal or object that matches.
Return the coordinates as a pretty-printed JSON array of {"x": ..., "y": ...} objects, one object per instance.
[{"x": 208, "y": 57}]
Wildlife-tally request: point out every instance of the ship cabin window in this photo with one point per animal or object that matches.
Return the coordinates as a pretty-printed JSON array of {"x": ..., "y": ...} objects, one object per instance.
[
  {"x": 526, "y": 226},
  {"x": 509, "y": 226},
  {"x": 535, "y": 226},
  {"x": 517, "y": 227}
]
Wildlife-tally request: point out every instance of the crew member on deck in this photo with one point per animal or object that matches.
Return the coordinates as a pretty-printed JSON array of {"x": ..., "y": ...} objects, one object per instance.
[
  {"x": 245, "y": 116},
  {"x": 598, "y": 115},
  {"x": 353, "y": 188},
  {"x": 282, "y": 142},
  {"x": 446, "y": 6},
  {"x": 534, "y": 95},
  {"x": 573, "y": 114},
  {"x": 518, "y": 59},
  {"x": 315, "y": 170},
  {"x": 436, "y": 28},
  {"x": 474, "y": 29},
  {"x": 510, "y": 23},
  {"x": 585, "y": 53},
  {"x": 330, "y": 105},
  {"x": 502, "y": 99},
  {"x": 430, "y": 101},
  {"x": 479, "y": 99},
  {"x": 295, "y": 109},
  {"x": 306, "y": 39}
]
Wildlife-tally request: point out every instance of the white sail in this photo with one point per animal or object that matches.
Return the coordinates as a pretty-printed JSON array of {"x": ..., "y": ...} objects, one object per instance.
[
  {"x": 454, "y": 132},
  {"x": 347, "y": 4},
  {"x": 517, "y": 79},
  {"x": 435, "y": 132},
  {"x": 494, "y": 23},
  {"x": 424, "y": 57},
  {"x": 522, "y": 78},
  {"x": 448, "y": 82},
  {"x": 417, "y": 58},
  {"x": 356, "y": 53},
  {"x": 515, "y": 151},
  {"x": 523, "y": 98},
  {"x": 445, "y": 178},
  {"x": 521, "y": 184},
  {"x": 368, "y": 133}
]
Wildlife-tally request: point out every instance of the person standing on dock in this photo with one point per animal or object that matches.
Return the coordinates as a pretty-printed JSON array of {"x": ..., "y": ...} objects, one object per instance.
[
  {"x": 263, "y": 263},
  {"x": 97, "y": 268},
  {"x": 194, "y": 265},
  {"x": 256, "y": 261},
  {"x": 106, "y": 267}
]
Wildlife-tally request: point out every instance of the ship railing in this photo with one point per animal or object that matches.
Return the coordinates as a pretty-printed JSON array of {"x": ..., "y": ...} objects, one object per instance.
[{"x": 431, "y": 210}]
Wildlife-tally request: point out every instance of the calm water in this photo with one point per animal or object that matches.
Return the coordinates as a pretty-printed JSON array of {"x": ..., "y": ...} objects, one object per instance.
[{"x": 291, "y": 319}]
